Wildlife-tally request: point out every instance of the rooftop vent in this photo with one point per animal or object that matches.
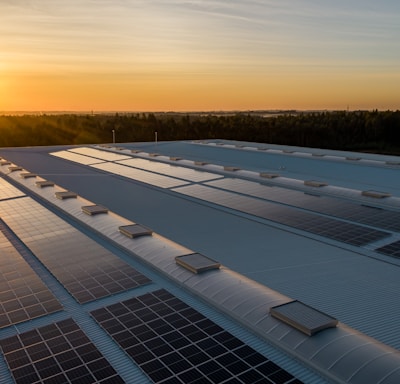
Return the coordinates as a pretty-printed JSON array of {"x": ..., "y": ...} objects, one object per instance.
[
  {"x": 318, "y": 154},
  {"x": 175, "y": 158},
  {"x": 14, "y": 168},
  {"x": 197, "y": 263},
  {"x": 314, "y": 183},
  {"x": 27, "y": 175},
  {"x": 303, "y": 317},
  {"x": 4, "y": 162},
  {"x": 262, "y": 148},
  {"x": 66, "y": 195},
  {"x": 44, "y": 183},
  {"x": 135, "y": 230},
  {"x": 287, "y": 151},
  {"x": 200, "y": 163},
  {"x": 268, "y": 175},
  {"x": 353, "y": 158},
  {"x": 396, "y": 163},
  {"x": 230, "y": 168},
  {"x": 92, "y": 210},
  {"x": 154, "y": 154},
  {"x": 375, "y": 194},
  {"x": 239, "y": 146},
  {"x": 136, "y": 150}
]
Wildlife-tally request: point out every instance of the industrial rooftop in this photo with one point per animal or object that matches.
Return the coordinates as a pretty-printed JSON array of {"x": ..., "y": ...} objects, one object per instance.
[{"x": 199, "y": 262}]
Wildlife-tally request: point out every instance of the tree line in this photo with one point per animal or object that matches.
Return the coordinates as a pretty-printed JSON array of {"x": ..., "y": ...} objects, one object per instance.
[{"x": 369, "y": 131}]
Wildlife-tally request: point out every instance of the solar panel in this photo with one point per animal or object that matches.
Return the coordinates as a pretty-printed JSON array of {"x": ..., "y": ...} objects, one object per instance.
[
  {"x": 23, "y": 296},
  {"x": 171, "y": 170},
  {"x": 99, "y": 154},
  {"x": 172, "y": 342},
  {"x": 140, "y": 175},
  {"x": 328, "y": 227},
  {"x": 76, "y": 157},
  {"x": 358, "y": 213},
  {"x": 302, "y": 317},
  {"x": 85, "y": 268},
  {"x": 56, "y": 353},
  {"x": 8, "y": 191},
  {"x": 392, "y": 249}
]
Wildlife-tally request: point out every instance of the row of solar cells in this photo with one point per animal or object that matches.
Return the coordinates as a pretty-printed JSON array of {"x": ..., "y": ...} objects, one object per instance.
[
  {"x": 272, "y": 203},
  {"x": 170, "y": 341}
]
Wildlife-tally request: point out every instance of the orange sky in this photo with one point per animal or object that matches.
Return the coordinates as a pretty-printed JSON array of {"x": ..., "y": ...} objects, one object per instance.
[{"x": 201, "y": 55}]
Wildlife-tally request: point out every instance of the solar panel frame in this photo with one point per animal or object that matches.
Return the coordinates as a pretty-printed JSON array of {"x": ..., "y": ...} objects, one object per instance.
[
  {"x": 32, "y": 357},
  {"x": 332, "y": 228},
  {"x": 79, "y": 263},
  {"x": 23, "y": 295},
  {"x": 177, "y": 347}
]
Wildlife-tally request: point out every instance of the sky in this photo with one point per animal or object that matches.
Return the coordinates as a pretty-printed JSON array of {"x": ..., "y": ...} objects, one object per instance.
[{"x": 199, "y": 55}]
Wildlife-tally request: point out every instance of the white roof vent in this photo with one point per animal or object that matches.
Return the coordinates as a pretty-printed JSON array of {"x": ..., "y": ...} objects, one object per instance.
[
  {"x": 230, "y": 168},
  {"x": 197, "y": 263},
  {"x": 44, "y": 183},
  {"x": 92, "y": 210},
  {"x": 268, "y": 175},
  {"x": 303, "y": 317},
  {"x": 66, "y": 195},
  {"x": 375, "y": 194},
  {"x": 27, "y": 175},
  {"x": 135, "y": 230},
  {"x": 314, "y": 183}
]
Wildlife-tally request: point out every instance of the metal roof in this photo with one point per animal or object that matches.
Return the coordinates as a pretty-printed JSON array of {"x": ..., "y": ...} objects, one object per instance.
[{"x": 273, "y": 263}]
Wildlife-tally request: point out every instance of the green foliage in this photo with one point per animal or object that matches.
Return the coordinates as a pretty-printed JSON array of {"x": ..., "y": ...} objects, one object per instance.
[{"x": 357, "y": 131}]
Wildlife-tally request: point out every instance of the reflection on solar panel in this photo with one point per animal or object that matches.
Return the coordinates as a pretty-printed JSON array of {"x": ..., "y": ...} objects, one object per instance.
[
  {"x": 173, "y": 343},
  {"x": 8, "y": 191},
  {"x": 23, "y": 296},
  {"x": 379, "y": 218},
  {"x": 334, "y": 229},
  {"x": 99, "y": 154},
  {"x": 171, "y": 170},
  {"x": 392, "y": 249},
  {"x": 140, "y": 175},
  {"x": 76, "y": 157},
  {"x": 86, "y": 269},
  {"x": 56, "y": 353}
]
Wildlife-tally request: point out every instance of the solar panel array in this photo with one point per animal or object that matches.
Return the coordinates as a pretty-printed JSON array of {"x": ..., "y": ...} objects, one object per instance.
[
  {"x": 23, "y": 296},
  {"x": 76, "y": 157},
  {"x": 173, "y": 343},
  {"x": 392, "y": 249},
  {"x": 347, "y": 210},
  {"x": 85, "y": 268},
  {"x": 8, "y": 191},
  {"x": 57, "y": 353},
  {"x": 323, "y": 226}
]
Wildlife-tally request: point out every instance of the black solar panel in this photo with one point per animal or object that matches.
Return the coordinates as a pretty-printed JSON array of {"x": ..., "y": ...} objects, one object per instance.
[
  {"x": 174, "y": 343},
  {"x": 350, "y": 233},
  {"x": 56, "y": 353},
  {"x": 392, "y": 249},
  {"x": 23, "y": 296}
]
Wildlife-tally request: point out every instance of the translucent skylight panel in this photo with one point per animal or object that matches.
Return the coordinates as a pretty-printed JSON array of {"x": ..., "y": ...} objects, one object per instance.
[
  {"x": 172, "y": 342},
  {"x": 331, "y": 228},
  {"x": 140, "y": 175},
  {"x": 99, "y": 154},
  {"x": 56, "y": 353},
  {"x": 75, "y": 157},
  {"x": 8, "y": 191},
  {"x": 171, "y": 170},
  {"x": 23, "y": 295},
  {"x": 86, "y": 269}
]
